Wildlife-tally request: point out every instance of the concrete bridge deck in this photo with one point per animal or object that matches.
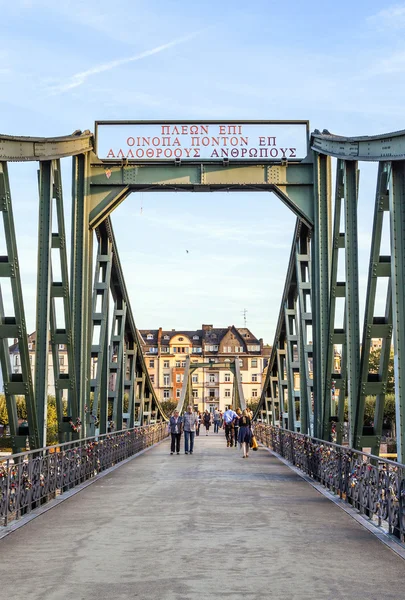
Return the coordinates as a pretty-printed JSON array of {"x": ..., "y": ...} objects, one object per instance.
[{"x": 207, "y": 526}]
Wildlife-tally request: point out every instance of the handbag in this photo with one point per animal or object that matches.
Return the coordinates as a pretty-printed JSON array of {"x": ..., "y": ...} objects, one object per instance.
[{"x": 253, "y": 444}]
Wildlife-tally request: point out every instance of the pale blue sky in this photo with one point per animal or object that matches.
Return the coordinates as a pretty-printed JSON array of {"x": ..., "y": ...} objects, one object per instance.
[{"x": 340, "y": 65}]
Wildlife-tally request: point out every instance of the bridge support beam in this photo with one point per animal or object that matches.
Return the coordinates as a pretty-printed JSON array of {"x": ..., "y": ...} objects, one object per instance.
[
  {"x": 321, "y": 251},
  {"x": 397, "y": 209},
  {"x": 81, "y": 270}
]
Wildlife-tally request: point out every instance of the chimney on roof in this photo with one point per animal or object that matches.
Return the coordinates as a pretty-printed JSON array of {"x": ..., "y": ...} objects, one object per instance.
[{"x": 206, "y": 327}]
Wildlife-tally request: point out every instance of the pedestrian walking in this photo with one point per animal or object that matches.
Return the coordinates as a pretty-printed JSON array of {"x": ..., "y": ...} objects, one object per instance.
[
  {"x": 236, "y": 426},
  {"x": 245, "y": 433},
  {"x": 176, "y": 428},
  {"x": 190, "y": 421},
  {"x": 197, "y": 428},
  {"x": 217, "y": 420},
  {"x": 207, "y": 421},
  {"x": 229, "y": 417}
]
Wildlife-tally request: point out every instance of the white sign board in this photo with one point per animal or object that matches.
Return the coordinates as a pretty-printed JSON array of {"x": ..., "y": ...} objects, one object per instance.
[{"x": 201, "y": 141}]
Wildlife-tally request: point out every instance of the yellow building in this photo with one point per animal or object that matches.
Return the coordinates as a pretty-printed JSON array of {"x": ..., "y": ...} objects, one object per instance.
[{"x": 166, "y": 352}]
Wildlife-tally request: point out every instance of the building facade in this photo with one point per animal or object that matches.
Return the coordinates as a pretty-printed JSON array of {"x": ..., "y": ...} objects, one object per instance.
[
  {"x": 166, "y": 351},
  {"x": 15, "y": 361}
]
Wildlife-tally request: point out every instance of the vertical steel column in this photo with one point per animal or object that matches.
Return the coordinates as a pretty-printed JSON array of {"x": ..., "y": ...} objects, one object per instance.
[
  {"x": 116, "y": 367},
  {"x": 321, "y": 275},
  {"x": 352, "y": 291},
  {"x": 282, "y": 382},
  {"x": 62, "y": 335},
  {"x": 375, "y": 327},
  {"x": 14, "y": 326},
  {"x": 101, "y": 290},
  {"x": 292, "y": 365},
  {"x": 43, "y": 295},
  {"x": 303, "y": 267},
  {"x": 130, "y": 383},
  {"x": 81, "y": 259},
  {"x": 337, "y": 336},
  {"x": 397, "y": 210},
  {"x": 237, "y": 382}
]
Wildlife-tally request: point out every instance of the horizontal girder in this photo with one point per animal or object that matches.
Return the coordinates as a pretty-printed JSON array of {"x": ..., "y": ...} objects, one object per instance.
[
  {"x": 23, "y": 148},
  {"x": 388, "y": 146}
]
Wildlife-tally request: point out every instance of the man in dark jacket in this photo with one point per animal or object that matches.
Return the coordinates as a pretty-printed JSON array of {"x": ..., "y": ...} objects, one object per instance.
[{"x": 176, "y": 428}]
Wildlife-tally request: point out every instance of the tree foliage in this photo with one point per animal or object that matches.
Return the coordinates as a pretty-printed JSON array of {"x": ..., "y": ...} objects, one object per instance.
[{"x": 374, "y": 364}]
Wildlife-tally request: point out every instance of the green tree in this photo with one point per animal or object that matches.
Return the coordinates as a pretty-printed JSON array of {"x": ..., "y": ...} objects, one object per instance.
[
  {"x": 168, "y": 406},
  {"x": 3, "y": 410},
  {"x": 374, "y": 363}
]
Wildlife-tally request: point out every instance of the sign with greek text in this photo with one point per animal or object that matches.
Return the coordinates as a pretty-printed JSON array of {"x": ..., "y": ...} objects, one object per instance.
[{"x": 204, "y": 141}]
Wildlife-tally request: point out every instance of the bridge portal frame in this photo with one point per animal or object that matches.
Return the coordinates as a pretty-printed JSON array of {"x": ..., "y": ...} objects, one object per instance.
[{"x": 305, "y": 186}]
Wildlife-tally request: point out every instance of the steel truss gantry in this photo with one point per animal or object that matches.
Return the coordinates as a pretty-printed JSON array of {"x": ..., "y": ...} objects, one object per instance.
[
  {"x": 186, "y": 394},
  {"x": 91, "y": 315}
]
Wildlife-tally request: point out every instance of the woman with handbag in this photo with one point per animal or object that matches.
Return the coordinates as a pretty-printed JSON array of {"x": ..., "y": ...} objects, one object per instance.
[{"x": 245, "y": 433}]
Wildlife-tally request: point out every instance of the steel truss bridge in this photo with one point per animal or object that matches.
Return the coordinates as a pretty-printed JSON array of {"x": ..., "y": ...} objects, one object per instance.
[{"x": 326, "y": 234}]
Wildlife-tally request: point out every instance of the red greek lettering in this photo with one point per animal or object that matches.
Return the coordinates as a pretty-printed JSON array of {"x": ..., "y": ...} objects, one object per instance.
[
  {"x": 149, "y": 153},
  {"x": 234, "y": 152},
  {"x": 273, "y": 152},
  {"x": 168, "y": 152},
  {"x": 196, "y": 153},
  {"x": 156, "y": 141},
  {"x": 110, "y": 154},
  {"x": 139, "y": 153},
  {"x": 293, "y": 153},
  {"x": 178, "y": 153},
  {"x": 165, "y": 130},
  {"x": 193, "y": 129},
  {"x": 130, "y": 141}
]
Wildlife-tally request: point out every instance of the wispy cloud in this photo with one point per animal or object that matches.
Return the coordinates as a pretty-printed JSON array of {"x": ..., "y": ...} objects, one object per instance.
[
  {"x": 392, "y": 17},
  {"x": 79, "y": 78},
  {"x": 272, "y": 236}
]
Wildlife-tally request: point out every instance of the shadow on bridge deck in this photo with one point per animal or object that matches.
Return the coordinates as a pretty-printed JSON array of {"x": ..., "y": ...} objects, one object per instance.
[{"x": 205, "y": 526}]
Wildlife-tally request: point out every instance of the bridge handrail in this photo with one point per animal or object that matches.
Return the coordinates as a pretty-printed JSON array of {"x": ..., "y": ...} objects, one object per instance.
[
  {"x": 32, "y": 478},
  {"x": 374, "y": 486}
]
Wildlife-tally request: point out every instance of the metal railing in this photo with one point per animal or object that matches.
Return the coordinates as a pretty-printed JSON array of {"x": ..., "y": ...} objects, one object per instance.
[
  {"x": 33, "y": 478},
  {"x": 372, "y": 485}
]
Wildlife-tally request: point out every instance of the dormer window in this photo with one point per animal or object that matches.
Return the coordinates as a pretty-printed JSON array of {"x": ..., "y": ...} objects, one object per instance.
[
  {"x": 166, "y": 337},
  {"x": 149, "y": 336},
  {"x": 195, "y": 337},
  {"x": 181, "y": 339}
]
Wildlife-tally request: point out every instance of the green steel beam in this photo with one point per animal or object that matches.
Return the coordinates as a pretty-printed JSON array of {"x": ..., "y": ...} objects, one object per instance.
[
  {"x": 237, "y": 385},
  {"x": 43, "y": 308},
  {"x": 81, "y": 270},
  {"x": 397, "y": 211},
  {"x": 14, "y": 326},
  {"x": 291, "y": 349},
  {"x": 100, "y": 303},
  {"x": 62, "y": 335},
  {"x": 130, "y": 383},
  {"x": 303, "y": 269},
  {"x": 116, "y": 363},
  {"x": 321, "y": 275},
  {"x": 337, "y": 336},
  {"x": 110, "y": 183},
  {"x": 352, "y": 292},
  {"x": 374, "y": 326}
]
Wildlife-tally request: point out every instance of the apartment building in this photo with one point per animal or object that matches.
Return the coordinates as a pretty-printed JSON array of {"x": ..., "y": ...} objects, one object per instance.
[{"x": 166, "y": 351}]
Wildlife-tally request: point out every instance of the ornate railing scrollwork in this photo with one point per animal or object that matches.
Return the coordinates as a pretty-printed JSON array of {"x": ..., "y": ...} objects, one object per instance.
[
  {"x": 30, "y": 479},
  {"x": 370, "y": 484}
]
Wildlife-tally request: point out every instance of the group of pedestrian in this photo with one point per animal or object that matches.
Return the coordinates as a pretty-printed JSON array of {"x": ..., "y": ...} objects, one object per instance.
[
  {"x": 237, "y": 425},
  {"x": 187, "y": 424},
  {"x": 238, "y": 428}
]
